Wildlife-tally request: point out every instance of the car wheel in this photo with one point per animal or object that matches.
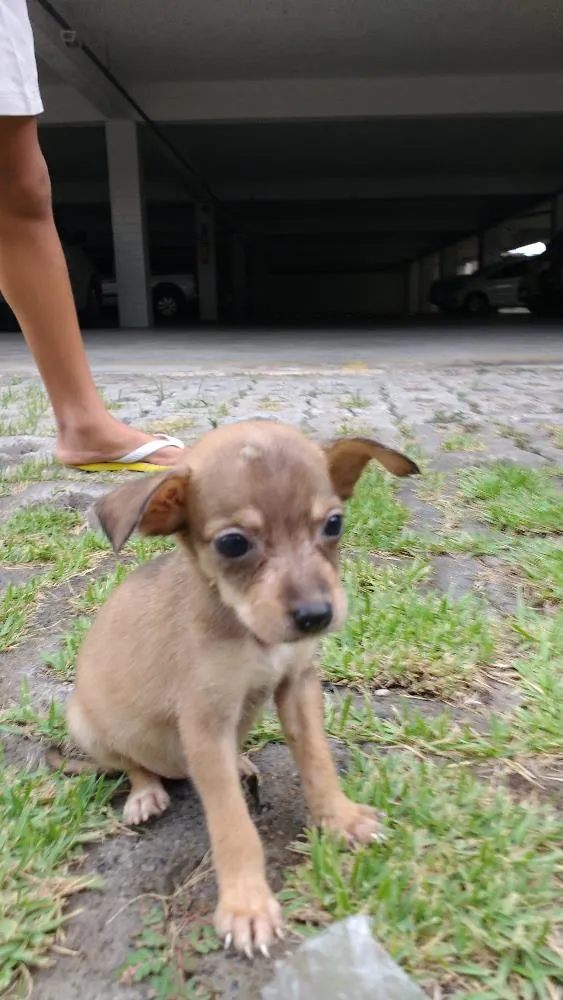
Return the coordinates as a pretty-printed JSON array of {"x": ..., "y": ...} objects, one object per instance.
[
  {"x": 168, "y": 303},
  {"x": 476, "y": 304},
  {"x": 92, "y": 312}
]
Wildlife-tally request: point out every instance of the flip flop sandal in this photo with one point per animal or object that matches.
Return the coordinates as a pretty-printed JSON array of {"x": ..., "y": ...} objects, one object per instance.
[{"x": 135, "y": 461}]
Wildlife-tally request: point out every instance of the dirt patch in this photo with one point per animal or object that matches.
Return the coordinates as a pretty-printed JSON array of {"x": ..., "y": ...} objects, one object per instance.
[{"x": 157, "y": 861}]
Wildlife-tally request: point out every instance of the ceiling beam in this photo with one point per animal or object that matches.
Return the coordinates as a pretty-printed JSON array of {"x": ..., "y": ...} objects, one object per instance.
[{"x": 353, "y": 98}]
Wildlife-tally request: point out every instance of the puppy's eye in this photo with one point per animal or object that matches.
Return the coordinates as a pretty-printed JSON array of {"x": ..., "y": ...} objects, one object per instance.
[
  {"x": 333, "y": 526},
  {"x": 232, "y": 545}
]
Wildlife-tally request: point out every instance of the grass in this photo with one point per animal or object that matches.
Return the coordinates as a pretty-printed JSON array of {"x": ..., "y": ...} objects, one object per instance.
[
  {"x": 166, "y": 960},
  {"x": 39, "y": 534},
  {"x": 24, "y": 720},
  {"x": 17, "y": 609},
  {"x": 513, "y": 498},
  {"x": 540, "y": 562},
  {"x": 398, "y": 635},
  {"x": 31, "y": 470},
  {"x": 58, "y": 543},
  {"x": 45, "y": 821},
  {"x": 63, "y": 661},
  {"x": 375, "y": 519},
  {"x": 459, "y": 441},
  {"x": 467, "y": 889},
  {"x": 32, "y": 405}
]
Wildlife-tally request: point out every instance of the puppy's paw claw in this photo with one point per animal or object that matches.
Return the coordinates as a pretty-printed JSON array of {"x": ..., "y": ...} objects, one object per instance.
[
  {"x": 249, "y": 918},
  {"x": 152, "y": 800},
  {"x": 356, "y": 824}
]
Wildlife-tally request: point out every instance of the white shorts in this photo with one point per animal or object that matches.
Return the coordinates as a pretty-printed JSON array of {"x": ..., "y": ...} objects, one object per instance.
[{"x": 19, "y": 87}]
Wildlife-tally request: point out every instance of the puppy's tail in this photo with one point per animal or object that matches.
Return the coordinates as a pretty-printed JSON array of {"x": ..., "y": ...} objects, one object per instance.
[{"x": 70, "y": 765}]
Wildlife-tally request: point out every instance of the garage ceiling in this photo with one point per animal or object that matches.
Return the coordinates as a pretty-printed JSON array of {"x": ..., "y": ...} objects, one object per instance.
[{"x": 171, "y": 40}]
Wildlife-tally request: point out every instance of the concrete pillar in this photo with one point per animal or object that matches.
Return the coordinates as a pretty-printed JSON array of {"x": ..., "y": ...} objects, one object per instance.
[
  {"x": 429, "y": 272},
  {"x": 492, "y": 245},
  {"x": 413, "y": 288},
  {"x": 450, "y": 260},
  {"x": 239, "y": 277},
  {"x": 128, "y": 218},
  {"x": 206, "y": 263},
  {"x": 557, "y": 214}
]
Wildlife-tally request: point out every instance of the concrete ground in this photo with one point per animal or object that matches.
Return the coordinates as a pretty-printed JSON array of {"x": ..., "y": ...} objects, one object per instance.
[{"x": 510, "y": 339}]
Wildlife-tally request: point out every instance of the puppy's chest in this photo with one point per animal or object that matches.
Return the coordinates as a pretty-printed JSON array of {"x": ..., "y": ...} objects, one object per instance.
[{"x": 269, "y": 668}]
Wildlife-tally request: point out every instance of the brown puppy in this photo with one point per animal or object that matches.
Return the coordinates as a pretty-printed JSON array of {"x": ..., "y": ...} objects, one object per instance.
[{"x": 184, "y": 654}]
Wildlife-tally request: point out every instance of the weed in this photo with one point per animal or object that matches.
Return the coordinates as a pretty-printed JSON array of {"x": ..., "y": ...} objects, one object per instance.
[{"x": 166, "y": 961}]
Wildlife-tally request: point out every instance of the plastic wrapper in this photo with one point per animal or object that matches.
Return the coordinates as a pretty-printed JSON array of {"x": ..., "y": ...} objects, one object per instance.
[{"x": 344, "y": 962}]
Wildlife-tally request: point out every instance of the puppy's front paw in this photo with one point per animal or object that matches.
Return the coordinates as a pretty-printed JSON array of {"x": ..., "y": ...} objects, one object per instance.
[
  {"x": 142, "y": 803},
  {"x": 354, "y": 823},
  {"x": 248, "y": 917}
]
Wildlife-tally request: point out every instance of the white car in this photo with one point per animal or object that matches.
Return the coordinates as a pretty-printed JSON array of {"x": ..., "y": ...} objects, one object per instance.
[
  {"x": 494, "y": 287},
  {"x": 173, "y": 295}
]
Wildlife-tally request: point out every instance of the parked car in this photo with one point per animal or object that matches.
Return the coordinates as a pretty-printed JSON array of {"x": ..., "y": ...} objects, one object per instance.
[
  {"x": 174, "y": 296},
  {"x": 86, "y": 286},
  {"x": 172, "y": 281},
  {"x": 541, "y": 286},
  {"x": 484, "y": 291}
]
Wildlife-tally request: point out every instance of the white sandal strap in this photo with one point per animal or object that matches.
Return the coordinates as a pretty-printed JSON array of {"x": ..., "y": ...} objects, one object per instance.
[{"x": 150, "y": 447}]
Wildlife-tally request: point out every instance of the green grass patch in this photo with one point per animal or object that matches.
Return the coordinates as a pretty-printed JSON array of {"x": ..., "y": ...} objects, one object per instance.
[
  {"x": 32, "y": 405},
  {"x": 513, "y": 498},
  {"x": 45, "y": 821},
  {"x": 98, "y": 591},
  {"x": 38, "y": 535},
  {"x": 467, "y": 890},
  {"x": 166, "y": 958},
  {"x": 17, "y": 608},
  {"x": 63, "y": 661},
  {"x": 31, "y": 470},
  {"x": 540, "y": 561},
  {"x": 375, "y": 518},
  {"x": 25, "y": 720},
  {"x": 459, "y": 441},
  {"x": 398, "y": 635}
]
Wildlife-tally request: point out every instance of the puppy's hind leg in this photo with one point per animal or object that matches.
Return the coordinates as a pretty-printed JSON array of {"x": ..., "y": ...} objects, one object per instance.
[{"x": 147, "y": 796}]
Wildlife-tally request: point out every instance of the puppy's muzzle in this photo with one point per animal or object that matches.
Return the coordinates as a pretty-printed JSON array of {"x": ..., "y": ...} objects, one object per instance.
[{"x": 312, "y": 618}]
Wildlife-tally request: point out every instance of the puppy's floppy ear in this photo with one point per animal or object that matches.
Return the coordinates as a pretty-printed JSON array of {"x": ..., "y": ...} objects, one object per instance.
[
  {"x": 155, "y": 505},
  {"x": 347, "y": 458}
]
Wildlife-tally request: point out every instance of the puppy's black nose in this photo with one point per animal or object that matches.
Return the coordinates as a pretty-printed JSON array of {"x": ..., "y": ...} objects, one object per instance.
[{"x": 311, "y": 618}]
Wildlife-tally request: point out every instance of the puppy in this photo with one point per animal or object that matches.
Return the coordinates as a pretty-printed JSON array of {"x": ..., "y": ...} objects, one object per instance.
[{"x": 186, "y": 651}]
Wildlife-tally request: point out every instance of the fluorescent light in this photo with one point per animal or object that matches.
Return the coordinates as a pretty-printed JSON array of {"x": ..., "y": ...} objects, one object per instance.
[{"x": 529, "y": 250}]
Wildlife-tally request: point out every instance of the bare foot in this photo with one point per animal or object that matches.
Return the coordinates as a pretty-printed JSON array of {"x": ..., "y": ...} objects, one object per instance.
[{"x": 108, "y": 440}]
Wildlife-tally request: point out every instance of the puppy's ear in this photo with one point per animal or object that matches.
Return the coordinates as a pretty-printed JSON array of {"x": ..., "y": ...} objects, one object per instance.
[
  {"x": 154, "y": 505},
  {"x": 347, "y": 458}
]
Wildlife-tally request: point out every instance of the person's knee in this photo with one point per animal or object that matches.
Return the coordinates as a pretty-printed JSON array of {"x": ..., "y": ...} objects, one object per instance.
[
  {"x": 27, "y": 195},
  {"x": 25, "y": 186}
]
